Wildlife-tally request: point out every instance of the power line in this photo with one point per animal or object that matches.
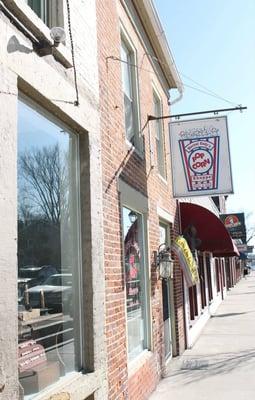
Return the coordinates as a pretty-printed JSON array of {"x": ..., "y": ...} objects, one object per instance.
[{"x": 208, "y": 92}]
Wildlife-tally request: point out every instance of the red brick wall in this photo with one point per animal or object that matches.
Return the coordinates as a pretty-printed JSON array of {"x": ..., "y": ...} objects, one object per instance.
[
  {"x": 118, "y": 161},
  {"x": 140, "y": 383}
]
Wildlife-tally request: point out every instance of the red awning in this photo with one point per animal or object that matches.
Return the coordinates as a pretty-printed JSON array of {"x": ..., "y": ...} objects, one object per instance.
[
  {"x": 233, "y": 252},
  {"x": 210, "y": 230}
]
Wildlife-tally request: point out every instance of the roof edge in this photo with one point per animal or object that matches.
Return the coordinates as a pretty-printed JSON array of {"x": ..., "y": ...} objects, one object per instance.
[{"x": 150, "y": 19}]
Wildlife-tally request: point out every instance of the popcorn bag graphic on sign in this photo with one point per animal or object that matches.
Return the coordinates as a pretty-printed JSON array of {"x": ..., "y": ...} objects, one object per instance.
[{"x": 200, "y": 158}]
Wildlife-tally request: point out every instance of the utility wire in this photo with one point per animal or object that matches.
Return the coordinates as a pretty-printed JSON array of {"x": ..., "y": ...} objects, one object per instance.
[
  {"x": 205, "y": 91},
  {"x": 209, "y": 93},
  {"x": 208, "y": 90},
  {"x": 76, "y": 102}
]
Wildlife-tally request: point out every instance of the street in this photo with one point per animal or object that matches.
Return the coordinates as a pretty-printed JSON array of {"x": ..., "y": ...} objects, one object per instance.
[{"x": 221, "y": 364}]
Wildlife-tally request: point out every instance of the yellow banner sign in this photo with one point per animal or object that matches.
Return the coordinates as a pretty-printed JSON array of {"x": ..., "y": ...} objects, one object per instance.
[{"x": 187, "y": 261}]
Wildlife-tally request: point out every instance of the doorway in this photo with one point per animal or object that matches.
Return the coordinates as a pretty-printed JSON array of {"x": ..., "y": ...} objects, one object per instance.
[{"x": 166, "y": 297}]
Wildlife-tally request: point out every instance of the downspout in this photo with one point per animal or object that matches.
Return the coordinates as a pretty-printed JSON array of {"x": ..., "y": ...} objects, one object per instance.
[{"x": 178, "y": 98}]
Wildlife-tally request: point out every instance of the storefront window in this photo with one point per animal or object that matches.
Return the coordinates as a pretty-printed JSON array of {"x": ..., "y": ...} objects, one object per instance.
[
  {"x": 135, "y": 281},
  {"x": 49, "y": 278}
]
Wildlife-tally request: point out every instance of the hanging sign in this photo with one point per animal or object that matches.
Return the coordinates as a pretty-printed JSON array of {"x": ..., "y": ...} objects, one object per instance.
[
  {"x": 243, "y": 248},
  {"x": 200, "y": 157},
  {"x": 187, "y": 262},
  {"x": 235, "y": 224}
]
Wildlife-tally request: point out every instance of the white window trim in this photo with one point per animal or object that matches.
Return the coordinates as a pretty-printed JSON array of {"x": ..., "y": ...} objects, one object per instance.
[
  {"x": 37, "y": 27},
  {"x": 136, "y": 98},
  {"x": 162, "y": 179},
  {"x": 163, "y": 223},
  {"x": 156, "y": 94},
  {"x": 131, "y": 198},
  {"x": 164, "y": 215}
]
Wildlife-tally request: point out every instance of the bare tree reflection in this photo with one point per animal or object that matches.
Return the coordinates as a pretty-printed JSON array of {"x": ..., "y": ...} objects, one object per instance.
[
  {"x": 44, "y": 199},
  {"x": 44, "y": 177}
]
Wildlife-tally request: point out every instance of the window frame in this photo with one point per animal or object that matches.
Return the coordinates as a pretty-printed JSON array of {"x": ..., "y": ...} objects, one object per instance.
[
  {"x": 44, "y": 13},
  {"x": 80, "y": 353},
  {"x": 51, "y": 13},
  {"x": 133, "y": 76},
  {"x": 135, "y": 201},
  {"x": 159, "y": 133}
]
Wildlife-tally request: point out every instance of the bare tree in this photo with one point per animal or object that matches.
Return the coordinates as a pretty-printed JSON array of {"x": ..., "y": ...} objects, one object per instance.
[
  {"x": 251, "y": 234},
  {"x": 250, "y": 226}
]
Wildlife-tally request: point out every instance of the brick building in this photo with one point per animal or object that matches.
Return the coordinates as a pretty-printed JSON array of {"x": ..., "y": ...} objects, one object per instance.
[
  {"x": 144, "y": 316},
  {"x": 148, "y": 320},
  {"x": 87, "y": 204}
]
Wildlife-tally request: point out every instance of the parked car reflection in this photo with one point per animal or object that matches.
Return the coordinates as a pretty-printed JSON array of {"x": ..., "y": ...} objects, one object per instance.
[
  {"x": 31, "y": 275},
  {"x": 55, "y": 292}
]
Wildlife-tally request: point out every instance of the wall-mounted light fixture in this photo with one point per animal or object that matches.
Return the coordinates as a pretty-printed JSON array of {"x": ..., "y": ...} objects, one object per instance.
[
  {"x": 58, "y": 36},
  {"x": 165, "y": 262}
]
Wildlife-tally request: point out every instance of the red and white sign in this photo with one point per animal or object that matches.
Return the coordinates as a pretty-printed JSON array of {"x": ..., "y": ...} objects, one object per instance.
[
  {"x": 200, "y": 157},
  {"x": 232, "y": 221},
  {"x": 30, "y": 355}
]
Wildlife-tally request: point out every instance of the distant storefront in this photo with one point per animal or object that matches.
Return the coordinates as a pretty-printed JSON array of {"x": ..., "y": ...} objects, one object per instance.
[{"x": 215, "y": 254}]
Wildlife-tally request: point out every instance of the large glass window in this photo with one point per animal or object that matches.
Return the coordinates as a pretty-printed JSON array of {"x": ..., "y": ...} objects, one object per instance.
[
  {"x": 157, "y": 112},
  {"x": 49, "y": 274},
  {"x": 129, "y": 92},
  {"x": 135, "y": 281}
]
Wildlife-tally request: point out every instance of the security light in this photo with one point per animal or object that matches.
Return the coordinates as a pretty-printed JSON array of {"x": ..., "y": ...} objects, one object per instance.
[{"x": 58, "y": 35}]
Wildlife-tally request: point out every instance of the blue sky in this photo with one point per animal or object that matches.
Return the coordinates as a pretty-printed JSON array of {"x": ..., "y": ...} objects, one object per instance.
[{"x": 213, "y": 43}]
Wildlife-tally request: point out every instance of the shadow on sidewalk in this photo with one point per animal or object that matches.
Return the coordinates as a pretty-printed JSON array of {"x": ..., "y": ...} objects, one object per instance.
[
  {"x": 198, "y": 368},
  {"x": 231, "y": 314},
  {"x": 240, "y": 294}
]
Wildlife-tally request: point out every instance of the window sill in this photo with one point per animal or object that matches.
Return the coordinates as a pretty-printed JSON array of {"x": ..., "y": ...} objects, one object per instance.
[
  {"x": 38, "y": 29},
  {"x": 162, "y": 179},
  {"x": 134, "y": 149},
  {"x": 138, "y": 362},
  {"x": 78, "y": 385}
]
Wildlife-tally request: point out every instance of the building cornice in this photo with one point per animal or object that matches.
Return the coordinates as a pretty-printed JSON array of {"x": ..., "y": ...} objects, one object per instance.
[{"x": 153, "y": 27}]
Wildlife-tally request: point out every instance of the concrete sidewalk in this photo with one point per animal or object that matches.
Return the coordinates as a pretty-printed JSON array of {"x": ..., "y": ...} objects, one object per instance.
[{"x": 221, "y": 365}]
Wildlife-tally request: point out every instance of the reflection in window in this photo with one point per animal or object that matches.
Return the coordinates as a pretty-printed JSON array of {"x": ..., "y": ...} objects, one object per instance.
[
  {"x": 129, "y": 92},
  {"x": 48, "y": 251},
  {"x": 135, "y": 281},
  {"x": 157, "y": 112}
]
